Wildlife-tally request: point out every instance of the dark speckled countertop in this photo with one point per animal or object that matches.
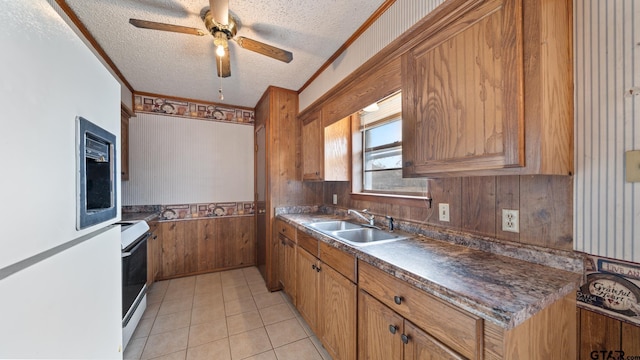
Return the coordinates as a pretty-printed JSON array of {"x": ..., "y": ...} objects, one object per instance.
[{"x": 498, "y": 288}]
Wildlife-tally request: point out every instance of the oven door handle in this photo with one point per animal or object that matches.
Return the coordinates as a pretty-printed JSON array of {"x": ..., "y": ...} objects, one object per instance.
[{"x": 140, "y": 242}]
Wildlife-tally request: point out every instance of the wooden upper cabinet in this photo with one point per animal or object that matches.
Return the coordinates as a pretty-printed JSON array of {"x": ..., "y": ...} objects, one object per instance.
[
  {"x": 325, "y": 149},
  {"x": 462, "y": 94},
  {"x": 491, "y": 93},
  {"x": 124, "y": 143},
  {"x": 312, "y": 146},
  {"x": 337, "y": 147}
]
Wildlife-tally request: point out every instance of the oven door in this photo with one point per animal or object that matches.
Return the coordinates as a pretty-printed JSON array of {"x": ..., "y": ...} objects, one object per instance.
[{"x": 134, "y": 276}]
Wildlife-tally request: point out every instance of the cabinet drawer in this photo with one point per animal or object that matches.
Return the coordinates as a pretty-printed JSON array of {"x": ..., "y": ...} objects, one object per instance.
[
  {"x": 308, "y": 243},
  {"x": 286, "y": 229},
  {"x": 455, "y": 328},
  {"x": 339, "y": 260}
]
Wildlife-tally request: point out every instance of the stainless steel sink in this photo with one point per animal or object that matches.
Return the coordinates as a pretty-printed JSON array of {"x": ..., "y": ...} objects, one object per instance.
[
  {"x": 366, "y": 236},
  {"x": 354, "y": 234},
  {"x": 333, "y": 225}
]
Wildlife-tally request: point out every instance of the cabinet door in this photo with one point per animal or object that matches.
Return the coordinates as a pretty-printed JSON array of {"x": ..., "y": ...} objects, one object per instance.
[
  {"x": 312, "y": 147},
  {"x": 337, "y": 309},
  {"x": 290, "y": 270},
  {"x": 281, "y": 260},
  {"x": 154, "y": 253},
  {"x": 379, "y": 330},
  {"x": 462, "y": 94},
  {"x": 337, "y": 148},
  {"x": 307, "y": 288},
  {"x": 421, "y": 346}
]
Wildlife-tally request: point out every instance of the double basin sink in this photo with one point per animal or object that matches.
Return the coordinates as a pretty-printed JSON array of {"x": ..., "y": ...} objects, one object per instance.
[{"x": 354, "y": 234}]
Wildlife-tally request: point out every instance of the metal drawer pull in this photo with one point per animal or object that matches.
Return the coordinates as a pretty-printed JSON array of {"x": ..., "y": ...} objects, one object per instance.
[
  {"x": 398, "y": 299},
  {"x": 404, "y": 338},
  {"x": 313, "y": 266},
  {"x": 393, "y": 329}
]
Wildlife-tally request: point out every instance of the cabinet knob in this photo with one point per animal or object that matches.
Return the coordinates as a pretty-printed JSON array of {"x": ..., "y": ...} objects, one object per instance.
[
  {"x": 393, "y": 329},
  {"x": 404, "y": 338},
  {"x": 398, "y": 299},
  {"x": 313, "y": 266},
  {"x": 318, "y": 269}
]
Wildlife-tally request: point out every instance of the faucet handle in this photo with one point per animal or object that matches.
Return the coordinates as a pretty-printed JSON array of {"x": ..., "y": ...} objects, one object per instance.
[{"x": 390, "y": 222}]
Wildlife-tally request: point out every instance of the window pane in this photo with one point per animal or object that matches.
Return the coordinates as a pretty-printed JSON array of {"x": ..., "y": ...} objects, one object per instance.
[
  {"x": 391, "y": 180},
  {"x": 383, "y": 159},
  {"x": 384, "y": 134}
]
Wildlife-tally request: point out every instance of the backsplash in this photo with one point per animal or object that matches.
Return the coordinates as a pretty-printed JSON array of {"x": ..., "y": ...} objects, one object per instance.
[
  {"x": 193, "y": 211},
  {"x": 476, "y": 203},
  {"x": 190, "y": 211},
  {"x": 194, "y": 110}
]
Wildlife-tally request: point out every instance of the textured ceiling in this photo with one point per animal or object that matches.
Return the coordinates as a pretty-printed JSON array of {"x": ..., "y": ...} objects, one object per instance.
[{"x": 184, "y": 65}]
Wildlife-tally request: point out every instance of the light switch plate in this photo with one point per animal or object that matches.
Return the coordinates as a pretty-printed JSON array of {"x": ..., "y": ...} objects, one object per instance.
[
  {"x": 633, "y": 165},
  {"x": 443, "y": 212}
]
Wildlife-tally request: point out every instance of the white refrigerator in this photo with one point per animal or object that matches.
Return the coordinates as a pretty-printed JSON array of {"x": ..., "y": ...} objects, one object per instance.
[{"x": 60, "y": 288}]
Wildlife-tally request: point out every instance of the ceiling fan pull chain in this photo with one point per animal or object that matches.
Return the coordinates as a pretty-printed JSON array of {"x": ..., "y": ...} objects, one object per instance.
[{"x": 220, "y": 95}]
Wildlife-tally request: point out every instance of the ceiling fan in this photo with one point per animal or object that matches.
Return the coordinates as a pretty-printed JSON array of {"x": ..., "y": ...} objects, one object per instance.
[{"x": 221, "y": 24}]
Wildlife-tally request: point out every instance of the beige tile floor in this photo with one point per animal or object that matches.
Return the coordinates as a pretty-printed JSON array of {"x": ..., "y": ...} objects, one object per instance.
[{"x": 227, "y": 315}]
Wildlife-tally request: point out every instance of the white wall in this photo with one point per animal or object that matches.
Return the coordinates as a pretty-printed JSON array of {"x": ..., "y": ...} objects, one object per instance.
[
  {"x": 607, "y": 70},
  {"x": 176, "y": 160},
  {"x": 396, "y": 20}
]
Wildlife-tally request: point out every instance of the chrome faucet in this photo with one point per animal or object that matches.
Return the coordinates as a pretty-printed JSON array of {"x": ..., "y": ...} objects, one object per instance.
[{"x": 368, "y": 219}]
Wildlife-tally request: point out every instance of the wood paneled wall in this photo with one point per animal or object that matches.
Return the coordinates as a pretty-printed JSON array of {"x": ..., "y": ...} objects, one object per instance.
[
  {"x": 192, "y": 247},
  {"x": 476, "y": 203},
  {"x": 601, "y": 336}
]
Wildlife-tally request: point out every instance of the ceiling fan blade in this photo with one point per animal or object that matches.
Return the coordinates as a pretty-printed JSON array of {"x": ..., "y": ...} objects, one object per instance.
[
  {"x": 224, "y": 66},
  {"x": 144, "y": 24},
  {"x": 264, "y": 49},
  {"x": 220, "y": 11}
]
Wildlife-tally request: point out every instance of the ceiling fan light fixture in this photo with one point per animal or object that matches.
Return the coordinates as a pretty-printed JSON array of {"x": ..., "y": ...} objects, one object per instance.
[
  {"x": 220, "y": 41},
  {"x": 220, "y": 50}
]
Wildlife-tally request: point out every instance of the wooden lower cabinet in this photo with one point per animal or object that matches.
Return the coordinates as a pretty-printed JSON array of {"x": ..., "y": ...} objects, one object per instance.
[
  {"x": 383, "y": 334},
  {"x": 337, "y": 306},
  {"x": 154, "y": 253},
  {"x": 307, "y": 288},
  {"x": 287, "y": 266},
  {"x": 198, "y": 246},
  {"x": 379, "y": 330},
  {"x": 327, "y": 300},
  {"x": 420, "y": 345},
  {"x": 453, "y": 333}
]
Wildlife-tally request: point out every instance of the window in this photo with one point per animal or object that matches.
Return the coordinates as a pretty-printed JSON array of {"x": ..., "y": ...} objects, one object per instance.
[{"x": 381, "y": 152}]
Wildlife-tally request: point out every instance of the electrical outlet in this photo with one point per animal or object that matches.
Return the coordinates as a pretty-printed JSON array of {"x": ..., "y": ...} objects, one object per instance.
[
  {"x": 443, "y": 212},
  {"x": 335, "y": 199},
  {"x": 511, "y": 220}
]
